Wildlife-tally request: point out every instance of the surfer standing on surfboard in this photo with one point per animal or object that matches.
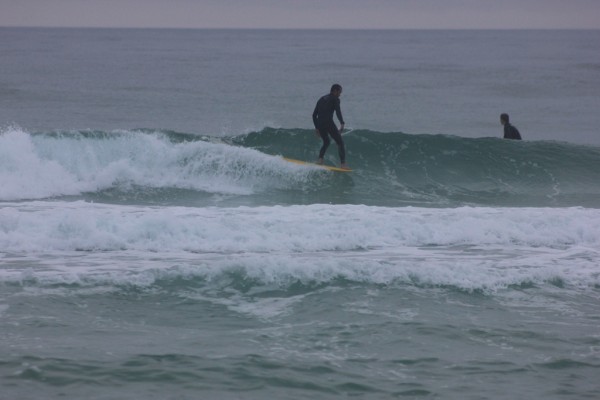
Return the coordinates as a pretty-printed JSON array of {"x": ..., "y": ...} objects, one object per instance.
[{"x": 324, "y": 125}]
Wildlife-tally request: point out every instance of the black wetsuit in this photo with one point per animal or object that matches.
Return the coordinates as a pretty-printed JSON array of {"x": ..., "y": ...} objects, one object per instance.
[
  {"x": 323, "y": 120},
  {"x": 510, "y": 132}
]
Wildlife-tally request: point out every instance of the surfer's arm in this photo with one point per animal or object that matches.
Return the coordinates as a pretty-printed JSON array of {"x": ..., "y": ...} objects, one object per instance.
[
  {"x": 315, "y": 118},
  {"x": 338, "y": 113}
]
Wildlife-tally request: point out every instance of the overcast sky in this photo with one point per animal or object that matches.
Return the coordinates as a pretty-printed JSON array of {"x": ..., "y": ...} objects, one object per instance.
[{"x": 345, "y": 14}]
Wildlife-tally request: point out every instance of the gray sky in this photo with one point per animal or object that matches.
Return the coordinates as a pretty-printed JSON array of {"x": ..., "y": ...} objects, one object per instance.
[{"x": 345, "y": 14}]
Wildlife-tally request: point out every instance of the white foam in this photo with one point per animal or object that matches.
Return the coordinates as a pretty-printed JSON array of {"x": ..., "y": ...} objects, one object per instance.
[
  {"x": 26, "y": 175},
  {"x": 470, "y": 248},
  {"x": 44, "y": 226},
  {"x": 401, "y": 267},
  {"x": 41, "y": 166}
]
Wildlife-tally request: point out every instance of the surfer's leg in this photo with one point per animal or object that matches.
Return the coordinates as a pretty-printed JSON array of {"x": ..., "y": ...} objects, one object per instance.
[
  {"x": 337, "y": 136},
  {"x": 326, "y": 143}
]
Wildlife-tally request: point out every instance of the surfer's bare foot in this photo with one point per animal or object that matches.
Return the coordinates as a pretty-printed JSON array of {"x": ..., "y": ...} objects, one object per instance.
[
  {"x": 320, "y": 161},
  {"x": 344, "y": 166}
]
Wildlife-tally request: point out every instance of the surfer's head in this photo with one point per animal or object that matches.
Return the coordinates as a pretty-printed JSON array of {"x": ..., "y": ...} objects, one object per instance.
[
  {"x": 503, "y": 118},
  {"x": 336, "y": 90}
]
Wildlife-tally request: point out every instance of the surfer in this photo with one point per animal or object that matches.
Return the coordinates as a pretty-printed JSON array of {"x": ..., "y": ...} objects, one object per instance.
[
  {"x": 325, "y": 126},
  {"x": 510, "y": 132}
]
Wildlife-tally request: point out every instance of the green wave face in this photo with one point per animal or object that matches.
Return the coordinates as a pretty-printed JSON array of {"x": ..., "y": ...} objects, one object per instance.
[{"x": 395, "y": 168}]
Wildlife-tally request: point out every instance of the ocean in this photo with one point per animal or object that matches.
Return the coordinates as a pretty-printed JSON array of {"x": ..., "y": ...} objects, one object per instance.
[{"x": 155, "y": 245}]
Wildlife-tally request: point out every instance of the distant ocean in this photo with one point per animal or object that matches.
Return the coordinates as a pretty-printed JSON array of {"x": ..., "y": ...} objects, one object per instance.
[{"x": 155, "y": 245}]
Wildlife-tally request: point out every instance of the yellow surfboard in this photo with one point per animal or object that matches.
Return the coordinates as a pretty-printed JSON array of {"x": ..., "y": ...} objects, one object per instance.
[{"x": 329, "y": 167}]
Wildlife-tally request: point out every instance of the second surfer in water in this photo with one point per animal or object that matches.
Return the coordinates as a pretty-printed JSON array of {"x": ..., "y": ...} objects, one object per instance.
[
  {"x": 510, "y": 132},
  {"x": 325, "y": 126}
]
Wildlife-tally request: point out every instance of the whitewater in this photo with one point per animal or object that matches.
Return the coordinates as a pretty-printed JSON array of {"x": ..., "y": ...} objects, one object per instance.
[{"x": 155, "y": 244}]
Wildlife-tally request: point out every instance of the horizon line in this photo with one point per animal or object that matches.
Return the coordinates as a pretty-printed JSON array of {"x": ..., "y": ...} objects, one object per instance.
[{"x": 292, "y": 29}]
